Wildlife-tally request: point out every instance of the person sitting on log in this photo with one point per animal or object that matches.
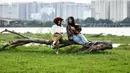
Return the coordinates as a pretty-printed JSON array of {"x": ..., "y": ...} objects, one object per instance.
[
  {"x": 57, "y": 31},
  {"x": 74, "y": 32}
]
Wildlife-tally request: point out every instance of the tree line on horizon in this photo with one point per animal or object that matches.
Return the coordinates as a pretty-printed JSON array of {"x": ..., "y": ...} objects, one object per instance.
[{"x": 88, "y": 22}]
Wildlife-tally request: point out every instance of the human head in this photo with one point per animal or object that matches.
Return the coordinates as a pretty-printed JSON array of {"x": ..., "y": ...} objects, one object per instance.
[
  {"x": 71, "y": 21},
  {"x": 58, "y": 20}
]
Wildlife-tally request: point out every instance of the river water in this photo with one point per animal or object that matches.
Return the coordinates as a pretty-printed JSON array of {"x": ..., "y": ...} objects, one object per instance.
[{"x": 115, "y": 31}]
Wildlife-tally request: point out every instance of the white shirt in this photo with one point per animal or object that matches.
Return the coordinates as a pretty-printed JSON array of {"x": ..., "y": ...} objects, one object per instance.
[{"x": 57, "y": 29}]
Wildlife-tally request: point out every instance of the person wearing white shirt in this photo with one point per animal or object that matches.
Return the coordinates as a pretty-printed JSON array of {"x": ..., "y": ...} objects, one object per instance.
[{"x": 57, "y": 31}]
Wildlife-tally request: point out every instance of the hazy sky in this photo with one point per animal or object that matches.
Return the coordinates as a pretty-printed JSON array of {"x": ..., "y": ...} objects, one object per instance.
[{"x": 47, "y": 1}]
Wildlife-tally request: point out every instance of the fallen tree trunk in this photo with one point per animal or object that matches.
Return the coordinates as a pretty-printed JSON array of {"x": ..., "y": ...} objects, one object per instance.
[{"x": 94, "y": 45}]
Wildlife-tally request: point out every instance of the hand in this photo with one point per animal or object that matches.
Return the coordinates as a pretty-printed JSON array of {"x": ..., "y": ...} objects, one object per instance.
[
  {"x": 70, "y": 38},
  {"x": 77, "y": 32},
  {"x": 72, "y": 28}
]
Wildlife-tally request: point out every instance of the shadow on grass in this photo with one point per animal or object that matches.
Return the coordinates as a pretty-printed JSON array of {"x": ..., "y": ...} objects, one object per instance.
[
  {"x": 47, "y": 50},
  {"x": 92, "y": 52},
  {"x": 27, "y": 50}
]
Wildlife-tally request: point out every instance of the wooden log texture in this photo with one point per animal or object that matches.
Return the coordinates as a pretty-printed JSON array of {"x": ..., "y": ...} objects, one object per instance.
[{"x": 94, "y": 45}]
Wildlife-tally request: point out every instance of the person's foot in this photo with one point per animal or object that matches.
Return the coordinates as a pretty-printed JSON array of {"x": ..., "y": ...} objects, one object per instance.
[
  {"x": 87, "y": 44},
  {"x": 53, "y": 46},
  {"x": 57, "y": 52}
]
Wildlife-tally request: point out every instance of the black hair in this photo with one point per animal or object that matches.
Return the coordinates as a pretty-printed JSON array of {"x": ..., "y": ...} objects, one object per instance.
[
  {"x": 73, "y": 21},
  {"x": 58, "y": 21}
]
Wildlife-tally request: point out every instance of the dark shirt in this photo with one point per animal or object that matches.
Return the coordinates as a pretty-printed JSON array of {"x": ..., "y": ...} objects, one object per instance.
[{"x": 72, "y": 31}]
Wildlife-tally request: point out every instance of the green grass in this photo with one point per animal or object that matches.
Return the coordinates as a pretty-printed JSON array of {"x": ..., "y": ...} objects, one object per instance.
[
  {"x": 42, "y": 59},
  {"x": 113, "y": 38}
]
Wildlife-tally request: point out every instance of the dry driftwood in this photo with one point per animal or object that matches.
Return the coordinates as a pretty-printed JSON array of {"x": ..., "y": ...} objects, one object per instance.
[
  {"x": 95, "y": 45},
  {"x": 13, "y": 32}
]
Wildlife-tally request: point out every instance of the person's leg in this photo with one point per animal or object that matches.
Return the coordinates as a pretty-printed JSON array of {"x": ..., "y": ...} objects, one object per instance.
[
  {"x": 83, "y": 38},
  {"x": 77, "y": 39},
  {"x": 56, "y": 38},
  {"x": 56, "y": 42},
  {"x": 57, "y": 47},
  {"x": 59, "y": 37}
]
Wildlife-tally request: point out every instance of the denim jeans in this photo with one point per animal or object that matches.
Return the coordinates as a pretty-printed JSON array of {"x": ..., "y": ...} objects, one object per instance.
[{"x": 80, "y": 39}]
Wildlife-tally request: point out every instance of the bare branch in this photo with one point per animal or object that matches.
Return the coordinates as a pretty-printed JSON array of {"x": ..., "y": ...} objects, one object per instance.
[
  {"x": 95, "y": 45},
  {"x": 13, "y": 32}
]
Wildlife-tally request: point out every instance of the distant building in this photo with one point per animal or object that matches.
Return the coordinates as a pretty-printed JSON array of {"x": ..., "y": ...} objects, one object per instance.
[
  {"x": 87, "y": 12},
  {"x": 36, "y": 16},
  {"x": 22, "y": 11},
  {"x": 9, "y": 11},
  {"x": 115, "y": 10},
  {"x": 118, "y": 10},
  {"x": 1, "y": 12},
  {"x": 128, "y": 11},
  {"x": 44, "y": 11},
  {"x": 66, "y": 9},
  {"x": 100, "y": 9},
  {"x": 47, "y": 12}
]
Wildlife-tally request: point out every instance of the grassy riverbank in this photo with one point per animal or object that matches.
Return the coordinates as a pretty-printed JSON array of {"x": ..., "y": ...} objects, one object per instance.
[{"x": 41, "y": 59}]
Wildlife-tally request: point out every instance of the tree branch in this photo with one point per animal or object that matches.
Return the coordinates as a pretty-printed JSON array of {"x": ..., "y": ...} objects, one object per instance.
[
  {"x": 13, "y": 32},
  {"x": 94, "y": 45},
  {"x": 91, "y": 47}
]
